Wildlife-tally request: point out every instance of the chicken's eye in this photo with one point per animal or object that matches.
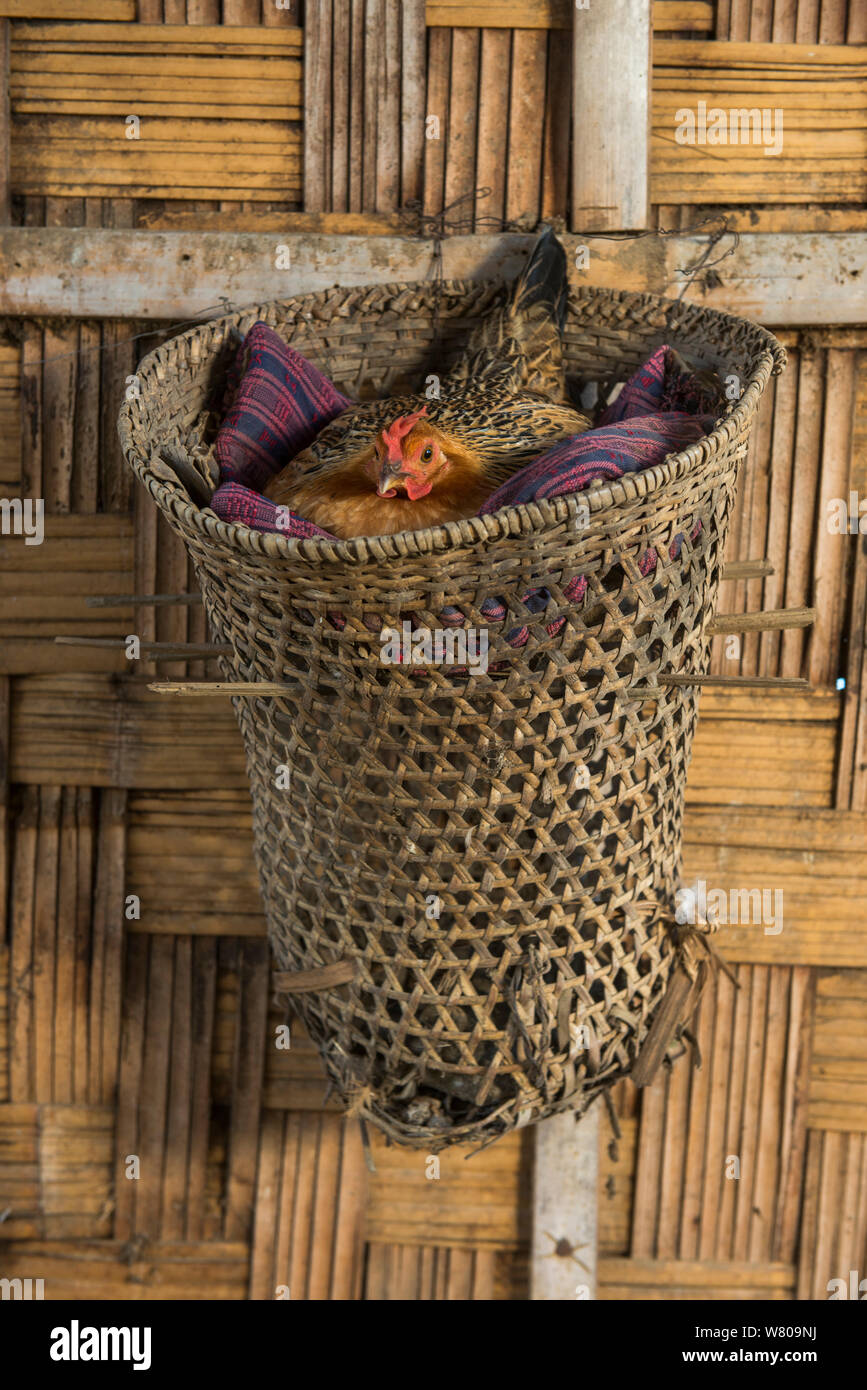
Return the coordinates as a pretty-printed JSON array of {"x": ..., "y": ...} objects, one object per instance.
[{"x": 427, "y": 455}]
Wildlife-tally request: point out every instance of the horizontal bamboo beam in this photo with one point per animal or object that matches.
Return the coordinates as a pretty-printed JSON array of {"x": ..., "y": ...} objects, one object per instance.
[
  {"x": 129, "y": 600},
  {"x": 771, "y": 620},
  {"x": 167, "y": 275},
  {"x": 679, "y": 679},
  {"x": 194, "y": 688},
  {"x": 160, "y": 651},
  {"x": 747, "y": 569}
]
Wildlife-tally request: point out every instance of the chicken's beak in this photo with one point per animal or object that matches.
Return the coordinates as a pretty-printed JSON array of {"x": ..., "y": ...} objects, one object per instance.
[{"x": 389, "y": 474}]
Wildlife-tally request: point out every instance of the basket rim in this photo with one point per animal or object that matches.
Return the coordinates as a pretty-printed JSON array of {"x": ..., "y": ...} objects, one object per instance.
[{"x": 519, "y": 519}]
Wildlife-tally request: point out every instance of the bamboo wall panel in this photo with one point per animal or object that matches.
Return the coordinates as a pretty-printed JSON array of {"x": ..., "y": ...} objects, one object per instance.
[
  {"x": 430, "y": 1274},
  {"x": 747, "y": 1103},
  {"x": 838, "y": 1075},
  {"x": 775, "y": 751},
  {"x": 44, "y": 591},
  {"x": 65, "y": 941},
  {"x": 95, "y": 731},
  {"x": 197, "y": 1161},
  {"x": 479, "y": 1200},
  {"x": 190, "y": 861},
  {"x": 820, "y": 90},
  {"x": 311, "y": 1189},
  {"x": 834, "y": 1233},
  {"x": 295, "y": 1077},
  {"x": 365, "y": 113},
  {"x": 129, "y": 736},
  {"x": 792, "y": 21},
  {"x": 114, "y": 1269},
  {"x": 811, "y": 867},
  {"x": 55, "y": 1171},
  {"x": 804, "y": 452},
  {"x": 220, "y": 111}
]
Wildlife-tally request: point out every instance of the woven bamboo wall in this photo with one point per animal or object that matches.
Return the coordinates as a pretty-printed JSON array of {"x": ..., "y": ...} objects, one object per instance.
[{"x": 149, "y": 1033}]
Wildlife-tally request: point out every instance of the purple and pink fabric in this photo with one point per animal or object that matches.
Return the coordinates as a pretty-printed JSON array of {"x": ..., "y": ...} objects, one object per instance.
[{"x": 280, "y": 402}]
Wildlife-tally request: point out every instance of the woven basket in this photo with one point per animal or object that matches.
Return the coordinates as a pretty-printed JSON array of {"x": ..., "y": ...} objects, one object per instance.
[{"x": 415, "y": 792}]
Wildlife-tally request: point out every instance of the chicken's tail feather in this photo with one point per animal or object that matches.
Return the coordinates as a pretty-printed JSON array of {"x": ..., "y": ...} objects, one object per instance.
[
  {"x": 519, "y": 346},
  {"x": 543, "y": 279}
]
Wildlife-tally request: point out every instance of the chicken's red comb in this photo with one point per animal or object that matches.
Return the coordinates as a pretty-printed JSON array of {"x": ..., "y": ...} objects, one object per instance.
[{"x": 398, "y": 430}]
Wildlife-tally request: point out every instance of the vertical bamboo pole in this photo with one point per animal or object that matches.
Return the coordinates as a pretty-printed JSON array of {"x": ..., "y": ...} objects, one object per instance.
[
  {"x": 388, "y": 112},
  {"x": 565, "y": 1178},
  {"x": 611, "y": 116},
  {"x": 413, "y": 40}
]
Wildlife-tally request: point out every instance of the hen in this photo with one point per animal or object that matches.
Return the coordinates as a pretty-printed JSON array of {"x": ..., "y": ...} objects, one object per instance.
[{"x": 408, "y": 462}]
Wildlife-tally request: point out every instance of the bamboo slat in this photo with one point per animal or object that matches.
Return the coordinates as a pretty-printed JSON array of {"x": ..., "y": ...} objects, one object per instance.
[
  {"x": 436, "y": 138},
  {"x": 5, "y": 123},
  {"x": 374, "y": 25},
  {"x": 803, "y": 503},
  {"x": 219, "y": 111},
  {"x": 852, "y": 761},
  {"x": 388, "y": 117},
  {"x": 4, "y": 1022}
]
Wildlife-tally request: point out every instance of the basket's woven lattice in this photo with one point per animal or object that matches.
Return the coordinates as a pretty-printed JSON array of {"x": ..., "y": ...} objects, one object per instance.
[{"x": 536, "y": 985}]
